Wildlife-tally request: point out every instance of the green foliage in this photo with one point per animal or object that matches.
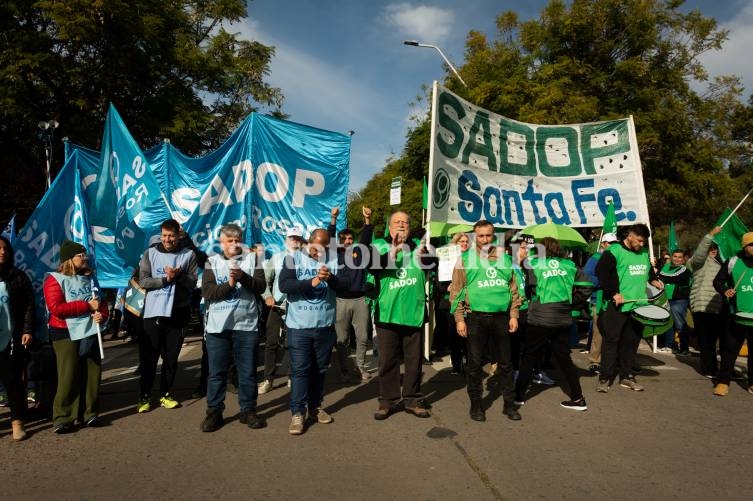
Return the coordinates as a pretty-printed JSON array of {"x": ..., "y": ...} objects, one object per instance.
[
  {"x": 173, "y": 69},
  {"x": 589, "y": 60}
]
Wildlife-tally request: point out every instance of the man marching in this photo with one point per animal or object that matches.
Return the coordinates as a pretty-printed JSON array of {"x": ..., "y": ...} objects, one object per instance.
[
  {"x": 230, "y": 283},
  {"x": 623, "y": 271},
  {"x": 486, "y": 294}
]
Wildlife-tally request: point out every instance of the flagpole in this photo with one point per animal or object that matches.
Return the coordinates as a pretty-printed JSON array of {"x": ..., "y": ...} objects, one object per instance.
[{"x": 737, "y": 207}]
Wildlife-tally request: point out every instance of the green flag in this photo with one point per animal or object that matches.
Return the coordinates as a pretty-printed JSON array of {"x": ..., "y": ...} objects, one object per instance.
[
  {"x": 729, "y": 238},
  {"x": 610, "y": 221},
  {"x": 672, "y": 243},
  {"x": 425, "y": 198}
]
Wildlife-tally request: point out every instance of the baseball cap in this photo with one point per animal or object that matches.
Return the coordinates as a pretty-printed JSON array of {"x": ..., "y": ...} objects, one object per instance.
[
  {"x": 609, "y": 238},
  {"x": 294, "y": 231}
]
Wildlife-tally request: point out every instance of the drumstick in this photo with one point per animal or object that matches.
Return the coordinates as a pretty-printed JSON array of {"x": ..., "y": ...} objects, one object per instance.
[{"x": 741, "y": 278}]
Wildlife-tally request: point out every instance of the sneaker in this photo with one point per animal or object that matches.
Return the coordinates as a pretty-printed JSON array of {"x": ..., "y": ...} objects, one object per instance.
[
  {"x": 31, "y": 397},
  {"x": 64, "y": 428},
  {"x": 542, "y": 378},
  {"x": 168, "y": 402},
  {"x": 576, "y": 405},
  {"x": 290, "y": 383},
  {"x": 265, "y": 386},
  {"x": 322, "y": 416},
  {"x": 519, "y": 403},
  {"x": 603, "y": 386},
  {"x": 511, "y": 412},
  {"x": 721, "y": 390},
  {"x": 664, "y": 350},
  {"x": 629, "y": 383},
  {"x": 143, "y": 406},
  {"x": 594, "y": 369},
  {"x": 365, "y": 376},
  {"x": 296, "y": 424}
]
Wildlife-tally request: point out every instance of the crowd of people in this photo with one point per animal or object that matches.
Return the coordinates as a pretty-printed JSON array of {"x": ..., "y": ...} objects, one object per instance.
[{"x": 510, "y": 305}]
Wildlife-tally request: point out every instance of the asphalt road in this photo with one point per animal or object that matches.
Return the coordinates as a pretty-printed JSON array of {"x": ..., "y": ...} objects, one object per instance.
[{"x": 673, "y": 441}]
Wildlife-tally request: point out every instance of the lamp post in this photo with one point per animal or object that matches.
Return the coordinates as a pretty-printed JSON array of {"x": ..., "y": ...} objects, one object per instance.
[
  {"x": 46, "y": 134},
  {"x": 415, "y": 43}
]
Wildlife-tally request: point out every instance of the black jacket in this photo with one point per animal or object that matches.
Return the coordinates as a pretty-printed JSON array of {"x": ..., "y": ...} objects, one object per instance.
[{"x": 21, "y": 298}]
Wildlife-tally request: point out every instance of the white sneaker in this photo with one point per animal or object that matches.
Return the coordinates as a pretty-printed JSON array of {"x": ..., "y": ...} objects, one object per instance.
[
  {"x": 296, "y": 424},
  {"x": 290, "y": 383},
  {"x": 265, "y": 387},
  {"x": 323, "y": 417}
]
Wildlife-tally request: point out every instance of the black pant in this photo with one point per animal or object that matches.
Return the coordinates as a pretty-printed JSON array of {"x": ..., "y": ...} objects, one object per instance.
[
  {"x": 11, "y": 377},
  {"x": 537, "y": 340},
  {"x": 707, "y": 327},
  {"x": 446, "y": 329},
  {"x": 273, "y": 349},
  {"x": 390, "y": 339},
  {"x": 621, "y": 336},
  {"x": 736, "y": 335},
  {"x": 489, "y": 331},
  {"x": 161, "y": 338}
]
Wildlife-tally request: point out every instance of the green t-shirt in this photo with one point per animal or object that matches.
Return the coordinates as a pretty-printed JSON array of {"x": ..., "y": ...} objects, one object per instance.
[{"x": 554, "y": 279}]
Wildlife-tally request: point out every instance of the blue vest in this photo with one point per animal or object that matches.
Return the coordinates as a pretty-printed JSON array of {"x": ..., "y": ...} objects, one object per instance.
[
  {"x": 159, "y": 302},
  {"x": 77, "y": 288},
  {"x": 6, "y": 320},
  {"x": 314, "y": 308},
  {"x": 239, "y": 311}
]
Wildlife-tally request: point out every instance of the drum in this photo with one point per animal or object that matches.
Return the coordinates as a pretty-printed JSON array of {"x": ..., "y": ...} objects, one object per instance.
[
  {"x": 655, "y": 295},
  {"x": 655, "y": 319}
]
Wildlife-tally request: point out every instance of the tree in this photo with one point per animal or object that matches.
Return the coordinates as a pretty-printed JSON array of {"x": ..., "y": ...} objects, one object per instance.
[
  {"x": 590, "y": 60},
  {"x": 172, "y": 69}
]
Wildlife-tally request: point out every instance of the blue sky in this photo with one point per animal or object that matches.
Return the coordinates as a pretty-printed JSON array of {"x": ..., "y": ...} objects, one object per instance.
[{"x": 342, "y": 65}]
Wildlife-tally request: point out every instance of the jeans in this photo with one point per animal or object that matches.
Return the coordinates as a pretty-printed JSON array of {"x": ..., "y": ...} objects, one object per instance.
[
  {"x": 241, "y": 346},
  {"x": 310, "y": 353},
  {"x": 679, "y": 308}
]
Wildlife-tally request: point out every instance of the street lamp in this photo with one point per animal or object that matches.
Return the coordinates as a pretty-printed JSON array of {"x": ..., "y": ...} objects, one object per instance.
[
  {"x": 46, "y": 135},
  {"x": 415, "y": 43}
]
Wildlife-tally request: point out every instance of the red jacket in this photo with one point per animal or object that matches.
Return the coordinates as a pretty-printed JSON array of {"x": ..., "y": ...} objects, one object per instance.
[{"x": 60, "y": 309}]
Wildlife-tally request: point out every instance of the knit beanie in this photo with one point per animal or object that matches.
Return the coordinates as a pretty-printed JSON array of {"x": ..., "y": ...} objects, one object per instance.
[{"x": 69, "y": 249}]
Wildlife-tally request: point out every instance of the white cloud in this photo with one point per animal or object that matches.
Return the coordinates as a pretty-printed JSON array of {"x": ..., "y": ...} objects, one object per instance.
[
  {"x": 734, "y": 57},
  {"x": 426, "y": 23}
]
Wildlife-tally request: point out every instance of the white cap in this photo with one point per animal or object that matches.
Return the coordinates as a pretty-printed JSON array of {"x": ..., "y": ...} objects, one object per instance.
[
  {"x": 294, "y": 231},
  {"x": 609, "y": 238}
]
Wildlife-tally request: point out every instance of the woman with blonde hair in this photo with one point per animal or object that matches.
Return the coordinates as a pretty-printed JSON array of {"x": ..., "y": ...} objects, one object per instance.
[{"x": 75, "y": 309}]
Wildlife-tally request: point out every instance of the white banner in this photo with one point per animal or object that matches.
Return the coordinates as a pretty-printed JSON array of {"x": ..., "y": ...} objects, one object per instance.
[{"x": 515, "y": 174}]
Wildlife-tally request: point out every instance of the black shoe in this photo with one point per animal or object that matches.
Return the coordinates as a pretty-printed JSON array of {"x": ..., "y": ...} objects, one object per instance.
[
  {"x": 594, "y": 369},
  {"x": 511, "y": 412},
  {"x": 213, "y": 421},
  {"x": 95, "y": 422},
  {"x": 64, "y": 428},
  {"x": 252, "y": 419},
  {"x": 477, "y": 411},
  {"x": 199, "y": 393}
]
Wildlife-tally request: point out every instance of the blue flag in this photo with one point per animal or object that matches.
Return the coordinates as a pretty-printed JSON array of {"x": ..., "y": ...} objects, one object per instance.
[
  {"x": 60, "y": 215},
  {"x": 10, "y": 229},
  {"x": 127, "y": 198}
]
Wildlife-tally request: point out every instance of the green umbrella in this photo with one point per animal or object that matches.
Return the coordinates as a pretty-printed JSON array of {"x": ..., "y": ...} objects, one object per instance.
[{"x": 567, "y": 236}]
